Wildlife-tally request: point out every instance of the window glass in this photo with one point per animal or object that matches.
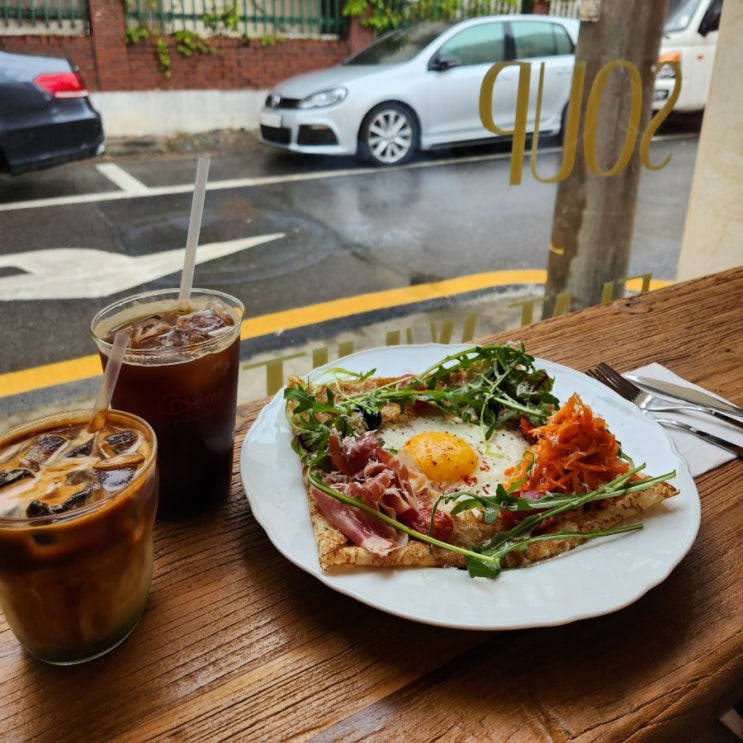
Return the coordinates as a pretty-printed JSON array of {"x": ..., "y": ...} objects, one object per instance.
[
  {"x": 563, "y": 42},
  {"x": 400, "y": 45},
  {"x": 484, "y": 44},
  {"x": 679, "y": 14},
  {"x": 538, "y": 39},
  {"x": 711, "y": 20}
]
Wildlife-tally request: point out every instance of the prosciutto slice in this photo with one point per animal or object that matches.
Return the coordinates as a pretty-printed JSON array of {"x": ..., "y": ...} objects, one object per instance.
[
  {"x": 363, "y": 529},
  {"x": 367, "y": 472}
]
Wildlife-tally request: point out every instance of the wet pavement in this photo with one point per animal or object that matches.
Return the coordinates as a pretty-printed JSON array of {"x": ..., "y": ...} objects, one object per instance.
[
  {"x": 267, "y": 361},
  {"x": 269, "y": 358}
]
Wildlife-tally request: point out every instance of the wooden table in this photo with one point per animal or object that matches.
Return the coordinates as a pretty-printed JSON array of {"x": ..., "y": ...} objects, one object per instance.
[{"x": 239, "y": 644}]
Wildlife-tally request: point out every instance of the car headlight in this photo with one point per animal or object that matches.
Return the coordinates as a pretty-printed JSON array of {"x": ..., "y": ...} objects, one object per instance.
[
  {"x": 324, "y": 98},
  {"x": 666, "y": 72}
]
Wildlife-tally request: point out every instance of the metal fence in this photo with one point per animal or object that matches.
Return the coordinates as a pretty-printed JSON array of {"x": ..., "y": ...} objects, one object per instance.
[
  {"x": 285, "y": 18},
  {"x": 21, "y": 17},
  {"x": 251, "y": 18},
  {"x": 248, "y": 18}
]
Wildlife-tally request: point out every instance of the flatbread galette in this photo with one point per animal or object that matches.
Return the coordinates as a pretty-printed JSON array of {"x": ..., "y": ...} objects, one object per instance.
[{"x": 473, "y": 464}]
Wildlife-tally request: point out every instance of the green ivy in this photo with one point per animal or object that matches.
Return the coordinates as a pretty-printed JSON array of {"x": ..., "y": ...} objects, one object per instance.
[
  {"x": 382, "y": 15},
  {"x": 271, "y": 40},
  {"x": 186, "y": 42},
  {"x": 228, "y": 17},
  {"x": 133, "y": 35},
  {"x": 379, "y": 15}
]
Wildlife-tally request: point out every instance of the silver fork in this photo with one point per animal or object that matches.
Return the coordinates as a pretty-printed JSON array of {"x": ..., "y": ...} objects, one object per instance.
[
  {"x": 650, "y": 403},
  {"x": 646, "y": 401}
]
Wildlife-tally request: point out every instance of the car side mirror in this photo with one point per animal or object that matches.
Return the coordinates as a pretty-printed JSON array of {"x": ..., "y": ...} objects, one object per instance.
[{"x": 439, "y": 63}]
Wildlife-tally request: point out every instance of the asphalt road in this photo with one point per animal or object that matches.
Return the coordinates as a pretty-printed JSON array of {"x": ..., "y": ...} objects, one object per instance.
[{"x": 286, "y": 233}]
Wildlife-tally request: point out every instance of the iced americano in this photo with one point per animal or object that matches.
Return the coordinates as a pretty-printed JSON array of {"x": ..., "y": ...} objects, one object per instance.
[
  {"x": 180, "y": 373},
  {"x": 76, "y": 532}
]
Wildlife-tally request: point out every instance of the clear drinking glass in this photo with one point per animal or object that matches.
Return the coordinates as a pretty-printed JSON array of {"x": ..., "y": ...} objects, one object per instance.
[
  {"x": 180, "y": 373},
  {"x": 76, "y": 532}
]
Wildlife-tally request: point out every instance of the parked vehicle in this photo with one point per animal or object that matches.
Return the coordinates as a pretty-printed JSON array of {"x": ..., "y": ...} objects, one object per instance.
[
  {"x": 689, "y": 38},
  {"x": 418, "y": 88},
  {"x": 46, "y": 117}
]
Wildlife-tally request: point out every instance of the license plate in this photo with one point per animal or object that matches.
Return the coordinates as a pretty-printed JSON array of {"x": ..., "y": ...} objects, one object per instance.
[
  {"x": 660, "y": 95},
  {"x": 271, "y": 119}
]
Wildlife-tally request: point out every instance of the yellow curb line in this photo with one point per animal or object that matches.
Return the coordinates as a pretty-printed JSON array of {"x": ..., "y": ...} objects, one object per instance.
[{"x": 61, "y": 372}]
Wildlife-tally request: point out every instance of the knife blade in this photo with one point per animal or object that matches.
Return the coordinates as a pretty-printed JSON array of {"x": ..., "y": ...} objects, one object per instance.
[
  {"x": 716, "y": 440},
  {"x": 686, "y": 394}
]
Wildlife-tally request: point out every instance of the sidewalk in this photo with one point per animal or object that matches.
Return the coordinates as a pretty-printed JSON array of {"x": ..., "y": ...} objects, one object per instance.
[{"x": 217, "y": 141}]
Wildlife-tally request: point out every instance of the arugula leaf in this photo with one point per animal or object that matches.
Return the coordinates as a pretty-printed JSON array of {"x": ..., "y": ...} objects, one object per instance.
[
  {"x": 485, "y": 560},
  {"x": 486, "y": 385}
]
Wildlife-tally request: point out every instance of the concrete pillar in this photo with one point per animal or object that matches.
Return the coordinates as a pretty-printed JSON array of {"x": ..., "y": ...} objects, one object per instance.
[{"x": 713, "y": 235}]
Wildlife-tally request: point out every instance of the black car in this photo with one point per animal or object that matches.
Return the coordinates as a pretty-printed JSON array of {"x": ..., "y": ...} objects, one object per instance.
[{"x": 46, "y": 117}]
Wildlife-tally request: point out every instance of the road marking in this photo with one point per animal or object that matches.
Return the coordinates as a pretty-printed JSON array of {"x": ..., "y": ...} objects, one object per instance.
[
  {"x": 237, "y": 183},
  {"x": 119, "y": 177},
  {"x": 269, "y": 180},
  {"x": 88, "y": 366},
  {"x": 86, "y": 273},
  {"x": 62, "y": 372}
]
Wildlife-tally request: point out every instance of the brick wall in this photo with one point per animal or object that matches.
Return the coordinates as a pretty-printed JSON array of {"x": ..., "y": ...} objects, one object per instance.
[{"x": 108, "y": 64}]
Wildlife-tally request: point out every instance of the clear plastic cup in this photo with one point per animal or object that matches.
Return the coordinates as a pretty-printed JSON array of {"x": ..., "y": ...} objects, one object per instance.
[
  {"x": 184, "y": 384},
  {"x": 76, "y": 532}
]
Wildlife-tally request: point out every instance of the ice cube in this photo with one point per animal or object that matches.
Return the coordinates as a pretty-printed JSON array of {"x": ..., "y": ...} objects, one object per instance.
[
  {"x": 202, "y": 325},
  {"x": 38, "y": 508},
  {"x": 113, "y": 480},
  {"x": 81, "y": 477},
  {"x": 82, "y": 450},
  {"x": 78, "y": 500},
  {"x": 8, "y": 477},
  {"x": 118, "y": 443},
  {"x": 43, "y": 446},
  {"x": 150, "y": 332},
  {"x": 122, "y": 440}
]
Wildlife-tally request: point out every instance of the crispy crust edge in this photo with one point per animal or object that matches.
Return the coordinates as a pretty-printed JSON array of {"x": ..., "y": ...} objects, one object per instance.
[{"x": 336, "y": 551}]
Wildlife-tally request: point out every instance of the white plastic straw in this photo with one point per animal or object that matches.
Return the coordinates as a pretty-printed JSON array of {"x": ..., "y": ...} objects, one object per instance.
[
  {"x": 194, "y": 227},
  {"x": 110, "y": 376}
]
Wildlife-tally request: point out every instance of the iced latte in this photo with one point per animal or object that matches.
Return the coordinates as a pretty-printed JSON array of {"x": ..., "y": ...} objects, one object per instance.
[{"x": 76, "y": 532}]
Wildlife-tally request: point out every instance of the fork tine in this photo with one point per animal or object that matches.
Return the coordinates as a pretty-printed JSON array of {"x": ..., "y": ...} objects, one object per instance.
[
  {"x": 619, "y": 381},
  {"x": 613, "y": 379}
]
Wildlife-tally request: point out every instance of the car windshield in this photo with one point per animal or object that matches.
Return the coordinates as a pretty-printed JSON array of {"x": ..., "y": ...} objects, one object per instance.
[
  {"x": 398, "y": 46},
  {"x": 679, "y": 14}
]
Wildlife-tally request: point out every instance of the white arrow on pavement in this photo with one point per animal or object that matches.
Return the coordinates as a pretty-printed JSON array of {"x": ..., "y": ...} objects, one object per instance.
[{"x": 86, "y": 273}]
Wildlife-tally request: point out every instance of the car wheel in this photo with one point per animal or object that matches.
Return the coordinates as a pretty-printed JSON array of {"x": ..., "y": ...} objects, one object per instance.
[{"x": 389, "y": 134}]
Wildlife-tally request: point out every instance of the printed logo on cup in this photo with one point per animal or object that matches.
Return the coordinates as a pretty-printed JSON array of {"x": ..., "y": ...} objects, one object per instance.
[{"x": 184, "y": 408}]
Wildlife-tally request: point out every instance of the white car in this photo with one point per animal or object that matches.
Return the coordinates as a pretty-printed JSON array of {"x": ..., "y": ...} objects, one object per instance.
[
  {"x": 690, "y": 39},
  {"x": 418, "y": 88}
]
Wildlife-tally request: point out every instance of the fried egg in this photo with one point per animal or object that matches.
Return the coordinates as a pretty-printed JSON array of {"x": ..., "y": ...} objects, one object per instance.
[{"x": 452, "y": 454}]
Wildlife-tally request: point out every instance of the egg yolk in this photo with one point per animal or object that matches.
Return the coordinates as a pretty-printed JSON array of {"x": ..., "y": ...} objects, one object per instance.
[{"x": 442, "y": 456}]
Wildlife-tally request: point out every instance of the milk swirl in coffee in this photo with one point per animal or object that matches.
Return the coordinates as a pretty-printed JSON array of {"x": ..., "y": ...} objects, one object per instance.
[
  {"x": 66, "y": 469},
  {"x": 76, "y": 532}
]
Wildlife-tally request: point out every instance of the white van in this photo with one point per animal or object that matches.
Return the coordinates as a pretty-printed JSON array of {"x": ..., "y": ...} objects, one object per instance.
[{"x": 689, "y": 38}]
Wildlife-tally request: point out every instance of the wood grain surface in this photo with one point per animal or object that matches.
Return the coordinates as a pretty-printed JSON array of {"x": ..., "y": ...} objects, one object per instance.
[{"x": 239, "y": 644}]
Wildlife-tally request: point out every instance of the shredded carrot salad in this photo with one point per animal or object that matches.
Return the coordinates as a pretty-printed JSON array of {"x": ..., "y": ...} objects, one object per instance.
[{"x": 574, "y": 452}]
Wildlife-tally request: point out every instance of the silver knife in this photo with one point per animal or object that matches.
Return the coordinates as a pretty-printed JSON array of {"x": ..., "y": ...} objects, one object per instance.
[
  {"x": 729, "y": 445},
  {"x": 687, "y": 394}
]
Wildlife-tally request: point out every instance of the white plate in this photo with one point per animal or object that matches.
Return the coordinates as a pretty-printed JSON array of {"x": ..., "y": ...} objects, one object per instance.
[{"x": 599, "y": 577}]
